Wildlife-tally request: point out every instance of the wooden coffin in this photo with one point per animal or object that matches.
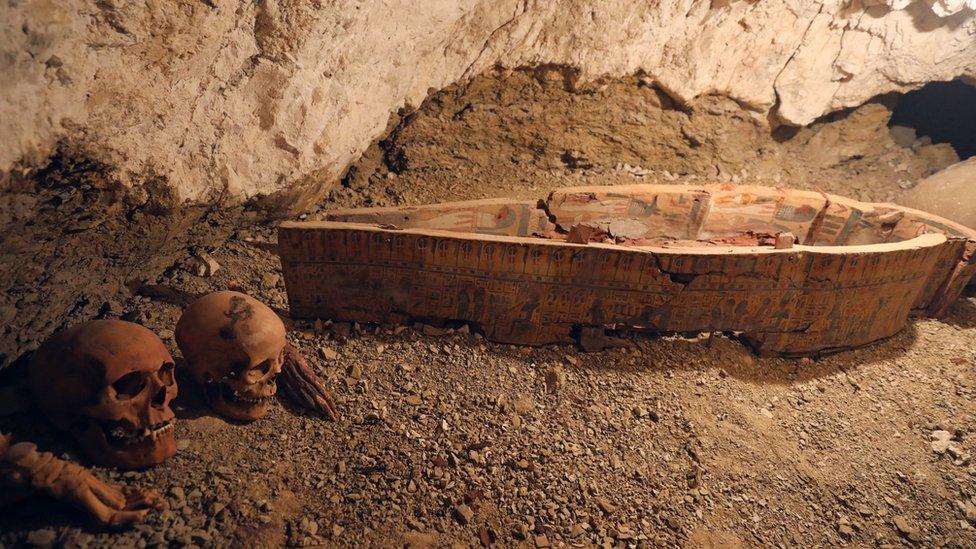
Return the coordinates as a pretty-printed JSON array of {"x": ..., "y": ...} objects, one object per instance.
[{"x": 650, "y": 258}]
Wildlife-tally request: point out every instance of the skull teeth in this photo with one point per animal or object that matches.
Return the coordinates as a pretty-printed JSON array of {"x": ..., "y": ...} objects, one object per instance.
[
  {"x": 125, "y": 436},
  {"x": 250, "y": 400},
  {"x": 235, "y": 397}
]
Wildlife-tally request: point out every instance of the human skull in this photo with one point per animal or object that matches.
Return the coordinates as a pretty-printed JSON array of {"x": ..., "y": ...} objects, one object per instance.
[
  {"x": 234, "y": 346},
  {"x": 109, "y": 383}
]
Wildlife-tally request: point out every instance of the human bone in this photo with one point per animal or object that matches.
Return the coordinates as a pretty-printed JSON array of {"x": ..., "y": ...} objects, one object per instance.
[
  {"x": 109, "y": 383},
  {"x": 25, "y": 470},
  {"x": 234, "y": 347}
]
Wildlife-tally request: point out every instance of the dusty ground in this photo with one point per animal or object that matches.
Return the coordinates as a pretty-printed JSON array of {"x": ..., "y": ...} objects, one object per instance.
[
  {"x": 669, "y": 442},
  {"x": 447, "y": 439}
]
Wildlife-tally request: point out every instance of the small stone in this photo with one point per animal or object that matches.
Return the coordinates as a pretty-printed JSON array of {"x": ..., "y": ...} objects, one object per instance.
[
  {"x": 968, "y": 508},
  {"x": 959, "y": 456},
  {"x": 605, "y": 506},
  {"x": 576, "y": 531},
  {"x": 522, "y": 532},
  {"x": 940, "y": 441},
  {"x": 541, "y": 541},
  {"x": 903, "y": 136},
  {"x": 42, "y": 538},
  {"x": 227, "y": 471},
  {"x": 270, "y": 280},
  {"x": 414, "y": 400},
  {"x": 202, "y": 264},
  {"x": 487, "y": 536},
  {"x": 328, "y": 354},
  {"x": 429, "y": 330},
  {"x": 463, "y": 514},
  {"x": 337, "y": 530},
  {"x": 523, "y": 405},
  {"x": 555, "y": 379},
  {"x": 356, "y": 371},
  {"x": 907, "y": 529}
]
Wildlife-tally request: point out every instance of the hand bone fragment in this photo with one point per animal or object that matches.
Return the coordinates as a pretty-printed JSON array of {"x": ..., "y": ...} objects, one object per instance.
[{"x": 24, "y": 469}]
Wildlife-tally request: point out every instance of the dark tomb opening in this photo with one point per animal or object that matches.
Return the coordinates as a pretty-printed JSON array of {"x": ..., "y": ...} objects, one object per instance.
[{"x": 943, "y": 112}]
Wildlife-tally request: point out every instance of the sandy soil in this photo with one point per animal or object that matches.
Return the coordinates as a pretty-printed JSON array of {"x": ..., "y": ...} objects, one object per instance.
[{"x": 448, "y": 439}]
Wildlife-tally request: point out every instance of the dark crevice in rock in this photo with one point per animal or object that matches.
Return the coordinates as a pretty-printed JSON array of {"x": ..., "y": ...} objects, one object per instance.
[{"x": 939, "y": 112}]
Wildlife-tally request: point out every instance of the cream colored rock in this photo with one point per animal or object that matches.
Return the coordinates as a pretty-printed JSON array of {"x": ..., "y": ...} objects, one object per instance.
[
  {"x": 235, "y": 98},
  {"x": 945, "y": 8},
  {"x": 950, "y": 193}
]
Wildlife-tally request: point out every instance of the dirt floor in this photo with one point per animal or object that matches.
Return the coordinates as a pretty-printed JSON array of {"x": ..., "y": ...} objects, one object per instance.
[
  {"x": 670, "y": 442},
  {"x": 447, "y": 439}
]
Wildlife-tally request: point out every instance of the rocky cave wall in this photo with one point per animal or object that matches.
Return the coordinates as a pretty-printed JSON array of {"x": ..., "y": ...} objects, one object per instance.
[
  {"x": 226, "y": 98},
  {"x": 130, "y": 132},
  {"x": 522, "y": 133}
]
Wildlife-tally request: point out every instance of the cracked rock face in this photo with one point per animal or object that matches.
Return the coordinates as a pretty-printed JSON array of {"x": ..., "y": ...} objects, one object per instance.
[{"x": 238, "y": 99}]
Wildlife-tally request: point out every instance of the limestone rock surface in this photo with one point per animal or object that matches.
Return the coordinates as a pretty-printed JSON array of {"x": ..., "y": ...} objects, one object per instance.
[
  {"x": 235, "y": 99},
  {"x": 950, "y": 193}
]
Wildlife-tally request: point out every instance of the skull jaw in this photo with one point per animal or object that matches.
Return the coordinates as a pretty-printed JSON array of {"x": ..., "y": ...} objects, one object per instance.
[
  {"x": 141, "y": 453},
  {"x": 227, "y": 402}
]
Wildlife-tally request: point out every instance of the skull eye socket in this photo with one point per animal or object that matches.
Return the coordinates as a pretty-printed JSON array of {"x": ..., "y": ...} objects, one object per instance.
[
  {"x": 130, "y": 385},
  {"x": 265, "y": 366},
  {"x": 238, "y": 368},
  {"x": 166, "y": 373}
]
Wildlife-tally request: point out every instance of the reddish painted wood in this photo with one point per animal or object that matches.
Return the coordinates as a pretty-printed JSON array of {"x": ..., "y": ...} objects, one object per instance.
[{"x": 665, "y": 265}]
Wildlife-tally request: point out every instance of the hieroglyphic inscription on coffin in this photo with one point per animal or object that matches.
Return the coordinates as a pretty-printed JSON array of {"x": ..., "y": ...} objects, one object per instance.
[{"x": 520, "y": 289}]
